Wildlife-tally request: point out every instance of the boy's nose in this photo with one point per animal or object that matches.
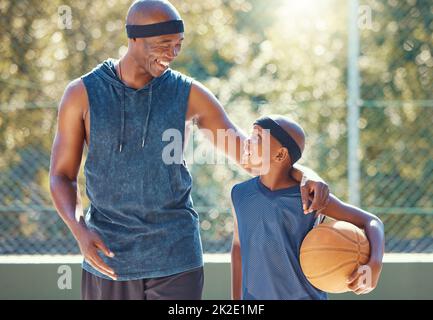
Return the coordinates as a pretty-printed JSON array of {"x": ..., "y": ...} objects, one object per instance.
[{"x": 247, "y": 144}]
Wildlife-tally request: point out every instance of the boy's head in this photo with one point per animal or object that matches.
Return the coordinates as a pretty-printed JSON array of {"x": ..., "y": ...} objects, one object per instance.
[{"x": 276, "y": 141}]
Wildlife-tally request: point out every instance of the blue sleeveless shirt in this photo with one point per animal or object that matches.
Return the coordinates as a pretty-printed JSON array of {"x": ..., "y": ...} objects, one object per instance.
[
  {"x": 272, "y": 226},
  {"x": 141, "y": 207}
]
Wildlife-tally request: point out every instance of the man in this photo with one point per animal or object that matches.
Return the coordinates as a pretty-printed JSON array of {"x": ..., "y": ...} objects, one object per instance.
[{"x": 141, "y": 216}]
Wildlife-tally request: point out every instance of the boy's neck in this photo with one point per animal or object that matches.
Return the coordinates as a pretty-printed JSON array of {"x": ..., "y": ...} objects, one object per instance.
[{"x": 278, "y": 178}]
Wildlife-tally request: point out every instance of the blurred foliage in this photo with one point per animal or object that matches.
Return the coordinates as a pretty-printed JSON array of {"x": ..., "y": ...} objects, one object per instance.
[{"x": 258, "y": 57}]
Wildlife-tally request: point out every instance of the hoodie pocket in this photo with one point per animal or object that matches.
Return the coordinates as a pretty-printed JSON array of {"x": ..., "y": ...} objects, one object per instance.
[
  {"x": 157, "y": 190},
  {"x": 181, "y": 183}
]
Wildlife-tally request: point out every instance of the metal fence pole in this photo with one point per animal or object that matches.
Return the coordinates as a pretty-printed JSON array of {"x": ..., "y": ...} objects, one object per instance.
[{"x": 353, "y": 99}]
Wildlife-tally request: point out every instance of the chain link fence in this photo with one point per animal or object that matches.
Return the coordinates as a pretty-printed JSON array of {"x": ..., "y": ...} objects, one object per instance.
[
  {"x": 396, "y": 132},
  {"x": 396, "y": 184}
]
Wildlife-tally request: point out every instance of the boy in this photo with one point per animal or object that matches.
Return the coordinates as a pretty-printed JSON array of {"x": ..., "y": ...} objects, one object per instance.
[{"x": 269, "y": 222}]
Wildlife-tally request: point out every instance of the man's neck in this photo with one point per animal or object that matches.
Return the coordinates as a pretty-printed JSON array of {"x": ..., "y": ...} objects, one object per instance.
[
  {"x": 131, "y": 73},
  {"x": 277, "y": 178}
]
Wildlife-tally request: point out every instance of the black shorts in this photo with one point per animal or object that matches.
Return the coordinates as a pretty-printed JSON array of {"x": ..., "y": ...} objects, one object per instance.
[{"x": 186, "y": 285}]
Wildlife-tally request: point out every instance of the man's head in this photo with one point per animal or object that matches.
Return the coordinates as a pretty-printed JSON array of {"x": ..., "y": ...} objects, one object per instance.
[
  {"x": 153, "y": 54},
  {"x": 262, "y": 150}
]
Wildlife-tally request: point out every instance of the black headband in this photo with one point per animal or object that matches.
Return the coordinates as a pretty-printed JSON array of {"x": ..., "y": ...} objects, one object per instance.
[
  {"x": 282, "y": 136},
  {"x": 156, "y": 29}
]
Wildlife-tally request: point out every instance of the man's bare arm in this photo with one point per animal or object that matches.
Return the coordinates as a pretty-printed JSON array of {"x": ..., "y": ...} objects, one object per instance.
[
  {"x": 66, "y": 154},
  {"x": 210, "y": 115}
]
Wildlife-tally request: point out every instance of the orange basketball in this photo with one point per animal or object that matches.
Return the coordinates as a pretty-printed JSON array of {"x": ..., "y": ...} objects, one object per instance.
[{"x": 331, "y": 252}]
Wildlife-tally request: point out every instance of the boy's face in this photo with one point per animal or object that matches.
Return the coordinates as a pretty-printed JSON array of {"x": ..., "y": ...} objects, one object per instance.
[{"x": 260, "y": 150}]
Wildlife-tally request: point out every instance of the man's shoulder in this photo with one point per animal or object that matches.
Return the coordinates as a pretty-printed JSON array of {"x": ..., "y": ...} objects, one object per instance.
[
  {"x": 179, "y": 74},
  {"x": 74, "y": 98},
  {"x": 181, "y": 78},
  {"x": 75, "y": 90},
  {"x": 75, "y": 85}
]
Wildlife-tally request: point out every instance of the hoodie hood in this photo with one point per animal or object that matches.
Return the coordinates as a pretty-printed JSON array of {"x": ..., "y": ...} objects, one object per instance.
[{"x": 107, "y": 71}]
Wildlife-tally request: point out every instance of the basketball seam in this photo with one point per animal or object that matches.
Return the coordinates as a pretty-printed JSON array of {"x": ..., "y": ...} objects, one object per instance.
[
  {"x": 333, "y": 249},
  {"x": 330, "y": 271},
  {"x": 340, "y": 233},
  {"x": 364, "y": 242}
]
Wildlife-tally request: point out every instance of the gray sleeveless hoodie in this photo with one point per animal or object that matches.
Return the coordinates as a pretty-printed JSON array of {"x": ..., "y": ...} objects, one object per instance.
[{"x": 140, "y": 206}]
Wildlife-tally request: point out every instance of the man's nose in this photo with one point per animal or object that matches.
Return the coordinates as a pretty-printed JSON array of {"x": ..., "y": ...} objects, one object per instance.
[
  {"x": 172, "y": 53},
  {"x": 176, "y": 51}
]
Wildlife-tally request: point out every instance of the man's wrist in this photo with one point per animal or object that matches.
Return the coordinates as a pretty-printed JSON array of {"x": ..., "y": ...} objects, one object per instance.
[{"x": 77, "y": 228}]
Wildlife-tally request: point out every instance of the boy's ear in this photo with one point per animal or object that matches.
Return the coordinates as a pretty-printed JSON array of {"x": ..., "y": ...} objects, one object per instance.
[{"x": 282, "y": 155}]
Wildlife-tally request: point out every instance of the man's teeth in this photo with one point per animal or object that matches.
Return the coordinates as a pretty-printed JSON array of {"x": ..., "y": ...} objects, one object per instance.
[{"x": 163, "y": 63}]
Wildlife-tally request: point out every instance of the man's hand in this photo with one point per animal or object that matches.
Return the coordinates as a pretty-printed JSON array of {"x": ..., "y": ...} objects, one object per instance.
[
  {"x": 90, "y": 243},
  {"x": 364, "y": 279},
  {"x": 318, "y": 191}
]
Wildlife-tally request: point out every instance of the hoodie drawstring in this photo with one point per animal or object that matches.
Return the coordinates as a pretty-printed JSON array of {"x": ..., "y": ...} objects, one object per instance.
[
  {"x": 146, "y": 123},
  {"x": 122, "y": 120}
]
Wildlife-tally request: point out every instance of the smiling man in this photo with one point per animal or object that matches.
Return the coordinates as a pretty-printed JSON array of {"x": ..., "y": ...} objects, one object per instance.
[{"x": 140, "y": 237}]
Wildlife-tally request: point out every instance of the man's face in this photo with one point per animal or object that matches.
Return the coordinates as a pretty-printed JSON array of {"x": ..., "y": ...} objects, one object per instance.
[{"x": 155, "y": 54}]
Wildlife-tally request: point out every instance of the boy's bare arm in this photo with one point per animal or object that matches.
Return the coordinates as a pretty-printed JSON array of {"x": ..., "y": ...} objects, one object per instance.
[
  {"x": 374, "y": 230},
  {"x": 236, "y": 265}
]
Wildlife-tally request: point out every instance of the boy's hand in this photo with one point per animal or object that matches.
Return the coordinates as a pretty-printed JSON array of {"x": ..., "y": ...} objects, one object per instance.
[
  {"x": 365, "y": 278},
  {"x": 318, "y": 190}
]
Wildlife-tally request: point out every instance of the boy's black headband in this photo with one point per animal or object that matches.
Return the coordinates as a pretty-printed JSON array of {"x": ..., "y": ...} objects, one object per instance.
[
  {"x": 282, "y": 136},
  {"x": 156, "y": 29}
]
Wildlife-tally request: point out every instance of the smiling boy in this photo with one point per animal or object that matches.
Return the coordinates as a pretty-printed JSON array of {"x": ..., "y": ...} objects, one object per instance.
[{"x": 269, "y": 223}]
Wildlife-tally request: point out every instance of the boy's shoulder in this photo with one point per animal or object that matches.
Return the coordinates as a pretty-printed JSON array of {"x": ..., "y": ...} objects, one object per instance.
[{"x": 243, "y": 186}]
